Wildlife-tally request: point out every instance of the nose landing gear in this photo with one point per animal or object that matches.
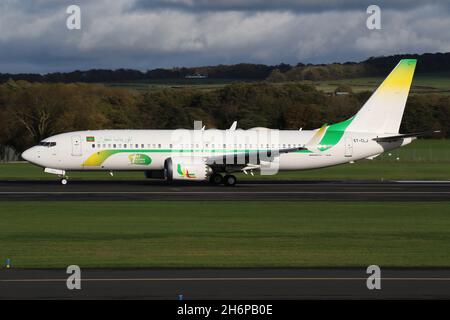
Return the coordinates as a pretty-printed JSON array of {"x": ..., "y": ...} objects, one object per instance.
[{"x": 60, "y": 173}]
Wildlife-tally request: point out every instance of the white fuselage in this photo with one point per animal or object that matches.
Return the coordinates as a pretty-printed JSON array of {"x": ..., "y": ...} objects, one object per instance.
[{"x": 128, "y": 150}]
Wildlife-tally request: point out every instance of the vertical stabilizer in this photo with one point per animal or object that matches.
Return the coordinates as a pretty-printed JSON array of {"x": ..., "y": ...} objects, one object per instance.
[{"x": 383, "y": 112}]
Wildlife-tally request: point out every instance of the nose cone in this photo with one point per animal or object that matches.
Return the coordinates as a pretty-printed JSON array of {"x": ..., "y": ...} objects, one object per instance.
[{"x": 29, "y": 155}]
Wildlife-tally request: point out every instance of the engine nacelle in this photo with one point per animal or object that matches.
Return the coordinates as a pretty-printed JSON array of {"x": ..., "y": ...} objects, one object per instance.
[{"x": 179, "y": 168}]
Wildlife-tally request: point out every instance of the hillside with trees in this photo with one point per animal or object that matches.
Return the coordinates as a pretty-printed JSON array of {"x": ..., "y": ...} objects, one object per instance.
[{"x": 30, "y": 112}]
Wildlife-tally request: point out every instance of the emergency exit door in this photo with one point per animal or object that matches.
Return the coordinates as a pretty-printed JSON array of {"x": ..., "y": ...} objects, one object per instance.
[{"x": 76, "y": 146}]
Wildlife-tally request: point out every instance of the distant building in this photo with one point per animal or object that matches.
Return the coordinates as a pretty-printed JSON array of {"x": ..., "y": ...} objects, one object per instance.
[
  {"x": 196, "y": 76},
  {"x": 343, "y": 90}
]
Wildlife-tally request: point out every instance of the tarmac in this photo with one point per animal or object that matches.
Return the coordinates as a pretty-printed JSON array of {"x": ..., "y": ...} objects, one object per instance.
[
  {"x": 286, "y": 190},
  {"x": 226, "y": 284}
]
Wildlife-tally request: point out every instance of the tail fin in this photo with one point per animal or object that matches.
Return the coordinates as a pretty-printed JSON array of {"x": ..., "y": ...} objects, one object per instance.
[{"x": 383, "y": 112}]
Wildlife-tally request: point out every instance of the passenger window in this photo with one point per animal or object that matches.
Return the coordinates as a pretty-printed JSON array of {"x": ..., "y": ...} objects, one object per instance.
[{"x": 93, "y": 146}]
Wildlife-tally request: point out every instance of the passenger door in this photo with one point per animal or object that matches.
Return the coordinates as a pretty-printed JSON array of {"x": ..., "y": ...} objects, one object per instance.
[{"x": 76, "y": 146}]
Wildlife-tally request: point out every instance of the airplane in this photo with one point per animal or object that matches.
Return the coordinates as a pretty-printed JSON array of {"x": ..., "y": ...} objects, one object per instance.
[{"x": 374, "y": 129}]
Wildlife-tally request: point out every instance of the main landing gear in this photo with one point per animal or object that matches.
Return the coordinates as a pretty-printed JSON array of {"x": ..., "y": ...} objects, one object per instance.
[
  {"x": 229, "y": 180},
  {"x": 64, "y": 181}
]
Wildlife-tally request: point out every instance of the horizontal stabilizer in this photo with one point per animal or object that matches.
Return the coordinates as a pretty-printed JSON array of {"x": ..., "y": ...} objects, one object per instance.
[{"x": 402, "y": 136}]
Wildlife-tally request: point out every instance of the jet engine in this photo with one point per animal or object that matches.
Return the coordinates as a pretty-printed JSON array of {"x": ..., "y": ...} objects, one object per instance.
[{"x": 179, "y": 168}]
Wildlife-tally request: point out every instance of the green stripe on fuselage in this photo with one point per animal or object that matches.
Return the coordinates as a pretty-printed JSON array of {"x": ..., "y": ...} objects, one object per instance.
[
  {"x": 334, "y": 134},
  {"x": 97, "y": 159}
]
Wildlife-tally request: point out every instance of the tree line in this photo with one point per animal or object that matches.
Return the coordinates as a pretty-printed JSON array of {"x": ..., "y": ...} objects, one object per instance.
[
  {"x": 30, "y": 112},
  {"x": 375, "y": 66}
]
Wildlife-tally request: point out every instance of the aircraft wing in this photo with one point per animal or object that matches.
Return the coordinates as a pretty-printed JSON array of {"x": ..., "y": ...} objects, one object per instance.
[{"x": 243, "y": 158}]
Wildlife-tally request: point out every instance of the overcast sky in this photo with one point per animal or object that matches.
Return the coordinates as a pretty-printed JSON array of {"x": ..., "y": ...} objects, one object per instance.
[{"x": 166, "y": 33}]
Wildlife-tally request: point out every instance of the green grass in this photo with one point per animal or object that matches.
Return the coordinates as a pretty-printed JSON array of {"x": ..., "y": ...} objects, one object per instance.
[
  {"x": 421, "y": 160},
  {"x": 224, "y": 234}
]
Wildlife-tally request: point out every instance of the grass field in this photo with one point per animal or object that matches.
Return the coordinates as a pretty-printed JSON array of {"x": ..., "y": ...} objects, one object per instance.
[
  {"x": 224, "y": 234},
  {"x": 157, "y": 84},
  {"x": 422, "y": 83},
  {"x": 421, "y": 160}
]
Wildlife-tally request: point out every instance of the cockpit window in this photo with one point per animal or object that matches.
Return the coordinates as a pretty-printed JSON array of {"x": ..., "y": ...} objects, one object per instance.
[{"x": 47, "y": 144}]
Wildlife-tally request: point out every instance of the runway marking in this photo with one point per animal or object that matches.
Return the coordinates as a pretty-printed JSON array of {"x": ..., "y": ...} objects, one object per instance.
[
  {"x": 222, "y": 192},
  {"x": 228, "y": 279},
  {"x": 422, "y": 181}
]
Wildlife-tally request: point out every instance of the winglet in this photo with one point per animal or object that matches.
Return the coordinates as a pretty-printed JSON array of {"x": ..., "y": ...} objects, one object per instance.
[{"x": 233, "y": 126}]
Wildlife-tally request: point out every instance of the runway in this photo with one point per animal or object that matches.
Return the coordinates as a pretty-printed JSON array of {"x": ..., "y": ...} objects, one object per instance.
[
  {"x": 286, "y": 190},
  {"x": 191, "y": 284}
]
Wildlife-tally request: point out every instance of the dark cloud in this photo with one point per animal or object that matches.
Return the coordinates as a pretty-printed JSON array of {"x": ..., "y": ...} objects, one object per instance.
[
  {"x": 124, "y": 34},
  {"x": 279, "y": 5}
]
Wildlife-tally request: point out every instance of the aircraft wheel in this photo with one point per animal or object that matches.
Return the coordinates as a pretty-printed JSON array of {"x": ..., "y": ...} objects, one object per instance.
[
  {"x": 64, "y": 181},
  {"x": 216, "y": 179},
  {"x": 229, "y": 180}
]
